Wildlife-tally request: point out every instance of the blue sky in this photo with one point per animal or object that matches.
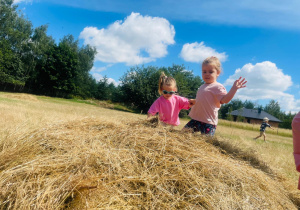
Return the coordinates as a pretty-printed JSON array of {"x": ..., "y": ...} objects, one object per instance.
[{"x": 258, "y": 40}]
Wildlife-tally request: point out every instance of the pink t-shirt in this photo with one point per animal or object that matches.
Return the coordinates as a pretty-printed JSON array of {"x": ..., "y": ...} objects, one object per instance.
[
  {"x": 296, "y": 142},
  {"x": 208, "y": 103},
  {"x": 169, "y": 109}
]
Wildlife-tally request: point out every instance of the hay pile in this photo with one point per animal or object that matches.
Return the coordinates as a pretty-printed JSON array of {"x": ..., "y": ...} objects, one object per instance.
[
  {"x": 21, "y": 96},
  {"x": 94, "y": 163}
]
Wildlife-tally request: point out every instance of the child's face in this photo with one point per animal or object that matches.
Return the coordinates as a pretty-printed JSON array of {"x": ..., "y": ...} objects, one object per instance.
[
  {"x": 170, "y": 91},
  {"x": 209, "y": 74}
]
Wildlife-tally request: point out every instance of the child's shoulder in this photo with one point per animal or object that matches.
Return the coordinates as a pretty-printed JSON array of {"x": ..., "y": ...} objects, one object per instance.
[
  {"x": 180, "y": 98},
  {"x": 215, "y": 84}
]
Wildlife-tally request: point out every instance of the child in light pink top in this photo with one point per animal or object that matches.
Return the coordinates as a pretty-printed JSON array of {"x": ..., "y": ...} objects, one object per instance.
[
  {"x": 296, "y": 142},
  {"x": 206, "y": 110},
  {"x": 168, "y": 105},
  {"x": 209, "y": 98}
]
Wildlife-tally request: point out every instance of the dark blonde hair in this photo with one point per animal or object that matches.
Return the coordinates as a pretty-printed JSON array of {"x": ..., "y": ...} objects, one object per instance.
[
  {"x": 214, "y": 61},
  {"x": 164, "y": 80}
]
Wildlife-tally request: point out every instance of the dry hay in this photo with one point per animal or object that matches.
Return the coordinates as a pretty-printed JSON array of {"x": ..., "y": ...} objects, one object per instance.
[
  {"x": 100, "y": 164},
  {"x": 103, "y": 104},
  {"x": 21, "y": 96}
]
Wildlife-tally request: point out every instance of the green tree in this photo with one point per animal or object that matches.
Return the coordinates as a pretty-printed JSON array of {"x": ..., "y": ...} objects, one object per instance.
[
  {"x": 229, "y": 116},
  {"x": 15, "y": 32},
  {"x": 187, "y": 83},
  {"x": 273, "y": 108},
  {"x": 36, "y": 56},
  {"x": 105, "y": 90},
  {"x": 84, "y": 81},
  {"x": 249, "y": 104},
  {"x": 139, "y": 85},
  {"x": 56, "y": 77},
  {"x": 234, "y": 104}
]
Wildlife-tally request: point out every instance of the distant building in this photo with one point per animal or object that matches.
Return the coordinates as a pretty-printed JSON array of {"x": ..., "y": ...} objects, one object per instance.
[{"x": 254, "y": 116}]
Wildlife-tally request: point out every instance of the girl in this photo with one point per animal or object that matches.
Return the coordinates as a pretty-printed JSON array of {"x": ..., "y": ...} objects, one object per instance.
[
  {"x": 209, "y": 98},
  {"x": 168, "y": 104},
  {"x": 296, "y": 142}
]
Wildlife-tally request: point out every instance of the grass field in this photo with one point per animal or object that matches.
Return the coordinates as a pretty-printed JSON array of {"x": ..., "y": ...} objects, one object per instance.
[{"x": 57, "y": 153}]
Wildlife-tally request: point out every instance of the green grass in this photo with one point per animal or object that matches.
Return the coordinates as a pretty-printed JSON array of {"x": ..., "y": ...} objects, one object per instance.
[{"x": 255, "y": 127}]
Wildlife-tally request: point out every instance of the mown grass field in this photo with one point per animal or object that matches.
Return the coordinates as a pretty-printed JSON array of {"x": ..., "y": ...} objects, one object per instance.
[{"x": 58, "y": 154}]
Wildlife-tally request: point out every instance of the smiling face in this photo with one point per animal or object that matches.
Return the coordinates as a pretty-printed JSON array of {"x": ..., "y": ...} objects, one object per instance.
[
  {"x": 209, "y": 73},
  {"x": 169, "y": 89}
]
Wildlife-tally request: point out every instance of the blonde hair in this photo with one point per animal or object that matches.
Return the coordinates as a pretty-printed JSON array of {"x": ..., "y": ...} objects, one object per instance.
[
  {"x": 164, "y": 80},
  {"x": 266, "y": 119},
  {"x": 214, "y": 61}
]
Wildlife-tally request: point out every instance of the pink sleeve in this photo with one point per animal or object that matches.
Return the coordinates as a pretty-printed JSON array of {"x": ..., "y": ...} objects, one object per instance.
[
  {"x": 221, "y": 92},
  {"x": 184, "y": 103},
  {"x": 296, "y": 142},
  {"x": 154, "y": 107}
]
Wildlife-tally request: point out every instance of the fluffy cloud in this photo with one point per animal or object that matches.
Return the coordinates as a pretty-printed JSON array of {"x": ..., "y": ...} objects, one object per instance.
[
  {"x": 265, "y": 81},
  {"x": 197, "y": 52},
  {"x": 95, "y": 72},
  {"x": 100, "y": 69},
  {"x": 139, "y": 39},
  {"x": 99, "y": 77},
  {"x": 19, "y": 1}
]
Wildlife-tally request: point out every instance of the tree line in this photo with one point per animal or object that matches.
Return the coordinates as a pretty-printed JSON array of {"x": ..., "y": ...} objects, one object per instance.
[{"x": 31, "y": 61}]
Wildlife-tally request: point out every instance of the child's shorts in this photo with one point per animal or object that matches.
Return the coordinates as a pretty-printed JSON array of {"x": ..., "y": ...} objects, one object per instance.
[{"x": 202, "y": 127}]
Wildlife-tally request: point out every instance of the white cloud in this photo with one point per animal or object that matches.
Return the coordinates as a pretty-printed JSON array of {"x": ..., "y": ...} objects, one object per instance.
[
  {"x": 139, "y": 39},
  {"x": 19, "y": 1},
  {"x": 265, "y": 81},
  {"x": 95, "y": 72},
  {"x": 99, "y": 77},
  {"x": 100, "y": 69},
  {"x": 197, "y": 52}
]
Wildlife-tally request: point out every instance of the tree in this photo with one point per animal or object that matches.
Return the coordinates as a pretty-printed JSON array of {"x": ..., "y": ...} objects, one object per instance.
[
  {"x": 139, "y": 85},
  {"x": 83, "y": 80},
  {"x": 273, "y": 108},
  {"x": 229, "y": 116},
  {"x": 56, "y": 77},
  {"x": 15, "y": 32},
  {"x": 234, "y": 104},
  {"x": 35, "y": 57},
  {"x": 187, "y": 83},
  {"x": 105, "y": 89},
  {"x": 249, "y": 104}
]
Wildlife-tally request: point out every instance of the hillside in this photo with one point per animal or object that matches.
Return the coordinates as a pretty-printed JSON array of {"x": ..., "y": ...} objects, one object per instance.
[{"x": 56, "y": 153}]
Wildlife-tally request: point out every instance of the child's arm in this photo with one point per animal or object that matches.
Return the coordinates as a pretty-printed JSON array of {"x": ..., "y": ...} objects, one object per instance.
[
  {"x": 192, "y": 102},
  {"x": 153, "y": 109},
  {"x": 236, "y": 85},
  {"x": 148, "y": 115}
]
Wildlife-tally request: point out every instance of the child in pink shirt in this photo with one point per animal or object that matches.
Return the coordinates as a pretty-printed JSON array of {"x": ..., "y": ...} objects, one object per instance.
[
  {"x": 168, "y": 105},
  {"x": 209, "y": 98},
  {"x": 296, "y": 142}
]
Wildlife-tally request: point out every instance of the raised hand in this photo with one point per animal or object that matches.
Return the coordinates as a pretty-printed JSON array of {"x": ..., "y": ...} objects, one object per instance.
[{"x": 239, "y": 83}]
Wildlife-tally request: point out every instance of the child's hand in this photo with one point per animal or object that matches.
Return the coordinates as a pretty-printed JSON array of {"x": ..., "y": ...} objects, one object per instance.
[
  {"x": 239, "y": 83},
  {"x": 192, "y": 102},
  {"x": 149, "y": 116}
]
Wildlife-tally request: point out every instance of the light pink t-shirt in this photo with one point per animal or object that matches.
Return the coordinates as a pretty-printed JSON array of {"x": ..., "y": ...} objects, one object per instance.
[
  {"x": 169, "y": 109},
  {"x": 208, "y": 103},
  {"x": 296, "y": 142}
]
